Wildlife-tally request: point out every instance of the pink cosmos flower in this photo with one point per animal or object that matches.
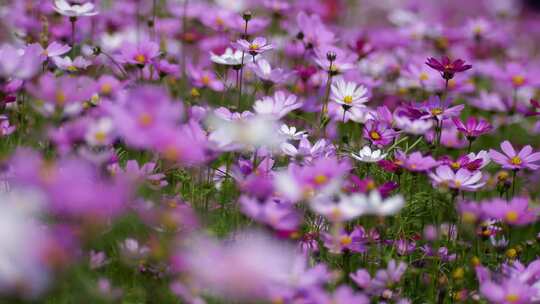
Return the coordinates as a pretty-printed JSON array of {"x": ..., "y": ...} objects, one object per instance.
[
  {"x": 515, "y": 212},
  {"x": 463, "y": 179},
  {"x": 447, "y": 67},
  {"x": 278, "y": 105},
  {"x": 378, "y": 133},
  {"x": 415, "y": 162},
  {"x": 525, "y": 159},
  {"x": 354, "y": 241},
  {"x": 473, "y": 127},
  {"x": 258, "y": 46},
  {"x": 140, "y": 54},
  {"x": 54, "y": 49}
]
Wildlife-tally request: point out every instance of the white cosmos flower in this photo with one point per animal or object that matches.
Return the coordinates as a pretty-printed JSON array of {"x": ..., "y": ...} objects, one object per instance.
[
  {"x": 375, "y": 204},
  {"x": 252, "y": 132},
  {"x": 349, "y": 93},
  {"x": 369, "y": 156},
  {"x": 290, "y": 132},
  {"x": 230, "y": 57},
  {"x": 74, "y": 10},
  {"x": 416, "y": 127},
  {"x": 339, "y": 207}
]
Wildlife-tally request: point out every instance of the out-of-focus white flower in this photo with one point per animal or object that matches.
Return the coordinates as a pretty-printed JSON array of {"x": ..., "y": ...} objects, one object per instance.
[
  {"x": 369, "y": 156},
  {"x": 251, "y": 132},
  {"x": 63, "y": 7},
  {"x": 230, "y": 57},
  {"x": 375, "y": 204},
  {"x": 339, "y": 207},
  {"x": 416, "y": 127},
  {"x": 22, "y": 244}
]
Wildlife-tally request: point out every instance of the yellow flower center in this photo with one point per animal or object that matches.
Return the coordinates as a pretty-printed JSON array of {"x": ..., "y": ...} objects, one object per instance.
[
  {"x": 512, "y": 298},
  {"x": 254, "y": 47},
  {"x": 451, "y": 83},
  {"x": 106, "y": 89},
  {"x": 171, "y": 153},
  {"x": 516, "y": 161},
  {"x": 320, "y": 179},
  {"x": 60, "y": 98},
  {"x": 511, "y": 216},
  {"x": 518, "y": 80},
  {"x": 100, "y": 136},
  {"x": 205, "y": 80},
  {"x": 140, "y": 58},
  {"x": 348, "y": 99},
  {"x": 220, "y": 21},
  {"x": 455, "y": 165},
  {"x": 375, "y": 135},
  {"x": 371, "y": 185},
  {"x": 72, "y": 68},
  {"x": 424, "y": 76},
  {"x": 335, "y": 214},
  {"x": 345, "y": 240},
  {"x": 436, "y": 111},
  {"x": 457, "y": 183},
  {"x": 468, "y": 217},
  {"x": 145, "y": 119},
  {"x": 195, "y": 93}
]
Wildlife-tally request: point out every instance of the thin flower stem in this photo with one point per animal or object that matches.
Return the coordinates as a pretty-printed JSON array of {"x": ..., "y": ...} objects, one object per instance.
[
  {"x": 514, "y": 181},
  {"x": 242, "y": 68}
]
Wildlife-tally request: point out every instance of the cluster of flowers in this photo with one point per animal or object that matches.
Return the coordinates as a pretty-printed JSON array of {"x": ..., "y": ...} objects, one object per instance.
[{"x": 272, "y": 151}]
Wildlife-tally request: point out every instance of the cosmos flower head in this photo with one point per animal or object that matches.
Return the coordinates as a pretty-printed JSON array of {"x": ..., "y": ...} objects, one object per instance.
[
  {"x": 348, "y": 94},
  {"x": 255, "y": 47},
  {"x": 447, "y": 67},
  {"x": 510, "y": 159},
  {"x": 63, "y": 7}
]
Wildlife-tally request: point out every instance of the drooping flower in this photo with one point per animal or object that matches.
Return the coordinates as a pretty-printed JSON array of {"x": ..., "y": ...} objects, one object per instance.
[
  {"x": 525, "y": 159},
  {"x": 447, "y": 67},
  {"x": 63, "y": 7}
]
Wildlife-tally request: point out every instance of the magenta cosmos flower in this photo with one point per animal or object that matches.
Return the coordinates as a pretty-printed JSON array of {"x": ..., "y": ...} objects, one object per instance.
[
  {"x": 525, "y": 159},
  {"x": 379, "y": 133},
  {"x": 472, "y": 128},
  {"x": 447, "y": 67},
  {"x": 514, "y": 212}
]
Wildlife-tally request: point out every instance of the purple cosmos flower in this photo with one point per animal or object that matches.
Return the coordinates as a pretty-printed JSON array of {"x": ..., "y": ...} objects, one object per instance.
[
  {"x": 510, "y": 291},
  {"x": 204, "y": 78},
  {"x": 355, "y": 241},
  {"x": 378, "y": 133},
  {"x": 515, "y": 212},
  {"x": 258, "y": 46},
  {"x": 140, "y": 54},
  {"x": 273, "y": 212},
  {"x": 20, "y": 64},
  {"x": 463, "y": 179},
  {"x": 525, "y": 159},
  {"x": 415, "y": 162},
  {"x": 54, "y": 49},
  {"x": 473, "y": 127},
  {"x": 278, "y": 105},
  {"x": 447, "y": 67},
  {"x": 438, "y": 109}
]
